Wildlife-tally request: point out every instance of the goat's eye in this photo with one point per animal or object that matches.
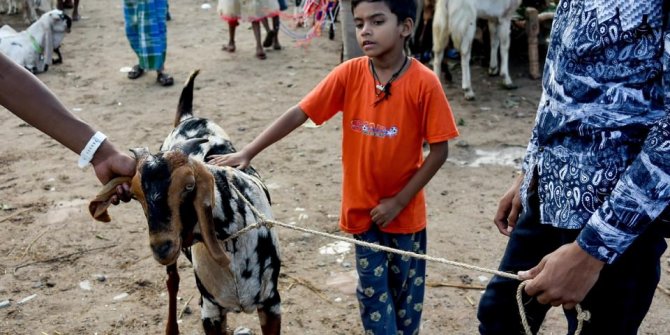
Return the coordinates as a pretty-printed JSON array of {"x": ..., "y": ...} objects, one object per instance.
[{"x": 189, "y": 187}]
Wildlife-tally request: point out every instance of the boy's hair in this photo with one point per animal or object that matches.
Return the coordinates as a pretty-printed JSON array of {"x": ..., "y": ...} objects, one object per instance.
[{"x": 403, "y": 9}]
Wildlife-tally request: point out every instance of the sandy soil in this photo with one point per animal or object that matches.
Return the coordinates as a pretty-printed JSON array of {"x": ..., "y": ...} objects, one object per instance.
[{"x": 86, "y": 277}]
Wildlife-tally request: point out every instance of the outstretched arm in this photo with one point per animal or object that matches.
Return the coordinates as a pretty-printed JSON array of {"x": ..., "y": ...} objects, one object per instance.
[
  {"x": 281, "y": 127},
  {"x": 389, "y": 208},
  {"x": 28, "y": 98}
]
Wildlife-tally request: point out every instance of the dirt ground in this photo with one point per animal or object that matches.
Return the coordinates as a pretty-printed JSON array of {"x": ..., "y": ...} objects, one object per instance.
[{"x": 63, "y": 273}]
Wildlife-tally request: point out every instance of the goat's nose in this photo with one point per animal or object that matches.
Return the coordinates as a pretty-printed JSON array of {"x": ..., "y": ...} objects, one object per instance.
[{"x": 162, "y": 249}]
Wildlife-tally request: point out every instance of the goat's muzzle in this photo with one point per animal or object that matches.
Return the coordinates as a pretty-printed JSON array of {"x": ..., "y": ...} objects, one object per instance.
[{"x": 165, "y": 252}]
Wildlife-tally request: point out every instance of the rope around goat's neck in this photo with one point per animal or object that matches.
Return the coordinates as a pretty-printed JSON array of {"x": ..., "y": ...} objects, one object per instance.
[{"x": 581, "y": 314}]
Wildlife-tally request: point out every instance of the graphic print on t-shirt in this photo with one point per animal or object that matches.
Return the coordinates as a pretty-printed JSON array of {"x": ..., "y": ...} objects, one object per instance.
[{"x": 373, "y": 129}]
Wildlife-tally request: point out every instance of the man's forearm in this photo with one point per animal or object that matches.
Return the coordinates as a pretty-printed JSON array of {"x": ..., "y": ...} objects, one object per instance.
[{"x": 29, "y": 99}]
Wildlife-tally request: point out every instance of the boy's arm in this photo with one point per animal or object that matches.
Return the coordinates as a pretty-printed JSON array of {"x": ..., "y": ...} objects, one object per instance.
[
  {"x": 389, "y": 208},
  {"x": 281, "y": 127}
]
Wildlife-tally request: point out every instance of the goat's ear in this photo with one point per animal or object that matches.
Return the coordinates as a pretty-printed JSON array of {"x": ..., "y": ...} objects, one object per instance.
[
  {"x": 48, "y": 47},
  {"x": 98, "y": 206},
  {"x": 140, "y": 153},
  {"x": 190, "y": 146},
  {"x": 203, "y": 204}
]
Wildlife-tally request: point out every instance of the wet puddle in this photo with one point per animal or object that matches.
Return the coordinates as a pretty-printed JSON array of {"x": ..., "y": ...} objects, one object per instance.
[{"x": 507, "y": 156}]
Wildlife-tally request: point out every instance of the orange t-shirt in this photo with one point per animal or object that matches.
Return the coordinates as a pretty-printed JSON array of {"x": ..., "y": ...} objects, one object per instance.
[{"x": 382, "y": 144}]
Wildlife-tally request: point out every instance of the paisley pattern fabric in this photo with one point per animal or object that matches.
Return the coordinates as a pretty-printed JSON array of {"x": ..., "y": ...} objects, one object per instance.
[{"x": 600, "y": 147}]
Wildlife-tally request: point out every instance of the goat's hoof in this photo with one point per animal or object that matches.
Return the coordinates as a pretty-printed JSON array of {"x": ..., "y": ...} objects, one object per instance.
[
  {"x": 508, "y": 86},
  {"x": 493, "y": 72},
  {"x": 469, "y": 95}
]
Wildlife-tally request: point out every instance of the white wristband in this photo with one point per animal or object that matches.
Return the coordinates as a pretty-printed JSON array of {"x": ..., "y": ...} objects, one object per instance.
[{"x": 91, "y": 147}]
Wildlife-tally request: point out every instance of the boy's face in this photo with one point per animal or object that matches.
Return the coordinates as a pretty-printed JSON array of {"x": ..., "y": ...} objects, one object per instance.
[{"x": 377, "y": 29}]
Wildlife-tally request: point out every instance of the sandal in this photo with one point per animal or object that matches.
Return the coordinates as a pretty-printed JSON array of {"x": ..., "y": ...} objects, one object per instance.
[
  {"x": 135, "y": 72},
  {"x": 269, "y": 39},
  {"x": 164, "y": 79},
  {"x": 261, "y": 55},
  {"x": 229, "y": 47}
]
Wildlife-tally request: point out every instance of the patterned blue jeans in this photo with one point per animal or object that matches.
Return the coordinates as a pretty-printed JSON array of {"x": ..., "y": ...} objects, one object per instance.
[{"x": 390, "y": 287}]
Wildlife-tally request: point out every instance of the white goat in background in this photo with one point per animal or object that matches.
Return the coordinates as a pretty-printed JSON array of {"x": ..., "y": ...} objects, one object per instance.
[
  {"x": 33, "y": 48},
  {"x": 458, "y": 19}
]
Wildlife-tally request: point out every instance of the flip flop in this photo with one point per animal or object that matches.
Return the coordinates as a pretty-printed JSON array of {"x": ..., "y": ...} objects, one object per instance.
[
  {"x": 164, "y": 79},
  {"x": 269, "y": 39},
  {"x": 229, "y": 48},
  {"x": 135, "y": 72},
  {"x": 261, "y": 56}
]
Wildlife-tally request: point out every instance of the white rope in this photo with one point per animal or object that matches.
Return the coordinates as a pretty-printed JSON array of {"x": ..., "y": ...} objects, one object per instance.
[
  {"x": 263, "y": 221},
  {"x": 582, "y": 315}
]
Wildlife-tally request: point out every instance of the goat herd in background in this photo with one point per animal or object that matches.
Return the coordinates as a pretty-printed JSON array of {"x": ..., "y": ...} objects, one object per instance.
[{"x": 453, "y": 20}]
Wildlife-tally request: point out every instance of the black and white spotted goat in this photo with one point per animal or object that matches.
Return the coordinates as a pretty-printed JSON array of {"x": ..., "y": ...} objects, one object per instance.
[{"x": 192, "y": 207}]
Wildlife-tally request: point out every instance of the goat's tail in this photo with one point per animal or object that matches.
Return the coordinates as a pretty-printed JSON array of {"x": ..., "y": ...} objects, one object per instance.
[{"x": 185, "y": 107}]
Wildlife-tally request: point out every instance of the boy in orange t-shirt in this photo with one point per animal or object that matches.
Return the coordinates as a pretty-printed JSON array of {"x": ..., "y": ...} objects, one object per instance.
[{"x": 384, "y": 171}]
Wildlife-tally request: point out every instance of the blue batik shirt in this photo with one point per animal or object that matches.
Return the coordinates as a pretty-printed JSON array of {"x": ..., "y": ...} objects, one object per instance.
[{"x": 600, "y": 147}]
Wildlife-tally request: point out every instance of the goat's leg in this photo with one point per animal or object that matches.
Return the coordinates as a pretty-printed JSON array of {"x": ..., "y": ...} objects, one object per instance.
[
  {"x": 466, "y": 52},
  {"x": 172, "y": 328},
  {"x": 440, "y": 42},
  {"x": 504, "y": 30},
  {"x": 12, "y": 8},
  {"x": 59, "y": 60},
  {"x": 494, "y": 69},
  {"x": 75, "y": 11},
  {"x": 29, "y": 12},
  {"x": 214, "y": 319},
  {"x": 270, "y": 321}
]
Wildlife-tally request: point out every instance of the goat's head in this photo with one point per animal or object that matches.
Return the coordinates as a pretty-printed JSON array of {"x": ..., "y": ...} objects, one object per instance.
[
  {"x": 176, "y": 194},
  {"x": 56, "y": 21}
]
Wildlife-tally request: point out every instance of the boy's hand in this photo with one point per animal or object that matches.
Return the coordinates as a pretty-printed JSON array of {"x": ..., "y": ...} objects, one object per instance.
[
  {"x": 509, "y": 208},
  {"x": 386, "y": 211},
  {"x": 237, "y": 160}
]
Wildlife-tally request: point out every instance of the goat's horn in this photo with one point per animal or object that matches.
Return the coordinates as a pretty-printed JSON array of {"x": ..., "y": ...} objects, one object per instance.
[
  {"x": 190, "y": 146},
  {"x": 140, "y": 153}
]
